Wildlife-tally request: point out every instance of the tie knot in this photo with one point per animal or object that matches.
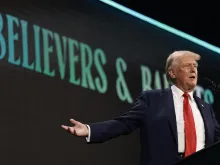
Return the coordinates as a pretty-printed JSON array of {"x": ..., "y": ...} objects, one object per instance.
[{"x": 186, "y": 95}]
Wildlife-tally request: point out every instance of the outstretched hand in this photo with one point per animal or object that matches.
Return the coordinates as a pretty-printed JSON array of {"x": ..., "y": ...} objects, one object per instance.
[{"x": 78, "y": 129}]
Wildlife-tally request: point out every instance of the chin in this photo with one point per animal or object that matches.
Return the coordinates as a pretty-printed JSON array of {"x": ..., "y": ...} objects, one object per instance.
[{"x": 192, "y": 85}]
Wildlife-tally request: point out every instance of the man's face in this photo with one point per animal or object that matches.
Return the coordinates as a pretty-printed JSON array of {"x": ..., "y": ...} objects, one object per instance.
[{"x": 186, "y": 73}]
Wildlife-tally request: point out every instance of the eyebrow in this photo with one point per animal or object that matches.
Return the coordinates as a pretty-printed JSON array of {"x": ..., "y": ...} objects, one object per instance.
[{"x": 190, "y": 64}]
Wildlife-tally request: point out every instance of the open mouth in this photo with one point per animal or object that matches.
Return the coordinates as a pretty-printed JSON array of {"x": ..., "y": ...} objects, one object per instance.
[{"x": 192, "y": 77}]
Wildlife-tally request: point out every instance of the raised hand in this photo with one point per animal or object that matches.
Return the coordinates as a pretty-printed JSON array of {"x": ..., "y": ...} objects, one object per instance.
[{"x": 78, "y": 129}]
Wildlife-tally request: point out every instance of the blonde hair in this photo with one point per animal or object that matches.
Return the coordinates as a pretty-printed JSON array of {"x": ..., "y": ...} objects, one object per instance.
[{"x": 173, "y": 57}]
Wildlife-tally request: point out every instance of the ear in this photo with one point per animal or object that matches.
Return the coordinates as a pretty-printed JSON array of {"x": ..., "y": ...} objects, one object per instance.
[{"x": 172, "y": 73}]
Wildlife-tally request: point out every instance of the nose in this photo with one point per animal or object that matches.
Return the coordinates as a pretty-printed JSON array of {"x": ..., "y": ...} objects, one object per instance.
[{"x": 193, "y": 69}]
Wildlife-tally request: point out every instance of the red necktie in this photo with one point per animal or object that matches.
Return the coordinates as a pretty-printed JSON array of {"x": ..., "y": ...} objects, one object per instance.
[{"x": 190, "y": 131}]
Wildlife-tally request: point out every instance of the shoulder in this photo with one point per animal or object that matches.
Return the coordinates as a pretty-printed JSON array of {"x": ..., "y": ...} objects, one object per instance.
[{"x": 153, "y": 92}]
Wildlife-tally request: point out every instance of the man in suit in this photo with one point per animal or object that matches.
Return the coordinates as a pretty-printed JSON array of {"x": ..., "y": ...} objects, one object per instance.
[{"x": 173, "y": 122}]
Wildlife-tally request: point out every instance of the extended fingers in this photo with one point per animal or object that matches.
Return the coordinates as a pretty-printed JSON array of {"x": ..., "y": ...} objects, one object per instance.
[
  {"x": 64, "y": 127},
  {"x": 68, "y": 129}
]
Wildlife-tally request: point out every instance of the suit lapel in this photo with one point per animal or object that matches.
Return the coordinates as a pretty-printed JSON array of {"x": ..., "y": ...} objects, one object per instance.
[
  {"x": 169, "y": 106},
  {"x": 206, "y": 119}
]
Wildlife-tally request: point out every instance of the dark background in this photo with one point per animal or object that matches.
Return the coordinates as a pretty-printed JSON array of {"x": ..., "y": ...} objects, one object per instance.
[
  {"x": 198, "y": 19},
  {"x": 33, "y": 106}
]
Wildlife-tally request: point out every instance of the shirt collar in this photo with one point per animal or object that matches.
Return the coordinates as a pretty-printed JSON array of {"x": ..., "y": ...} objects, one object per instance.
[{"x": 179, "y": 93}]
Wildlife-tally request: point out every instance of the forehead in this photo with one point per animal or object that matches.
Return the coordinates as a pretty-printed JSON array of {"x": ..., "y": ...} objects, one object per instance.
[{"x": 186, "y": 59}]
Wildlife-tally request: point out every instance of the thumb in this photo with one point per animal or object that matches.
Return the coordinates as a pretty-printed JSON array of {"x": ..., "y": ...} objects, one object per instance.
[{"x": 73, "y": 121}]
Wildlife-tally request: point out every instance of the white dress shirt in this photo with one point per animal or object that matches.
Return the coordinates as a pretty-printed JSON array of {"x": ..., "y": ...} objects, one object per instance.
[{"x": 199, "y": 124}]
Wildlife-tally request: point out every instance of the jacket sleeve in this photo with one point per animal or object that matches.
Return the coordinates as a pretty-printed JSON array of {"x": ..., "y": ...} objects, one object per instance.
[{"x": 122, "y": 125}]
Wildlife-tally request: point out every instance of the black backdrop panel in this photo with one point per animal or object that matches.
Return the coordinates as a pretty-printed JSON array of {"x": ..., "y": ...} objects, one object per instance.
[{"x": 81, "y": 60}]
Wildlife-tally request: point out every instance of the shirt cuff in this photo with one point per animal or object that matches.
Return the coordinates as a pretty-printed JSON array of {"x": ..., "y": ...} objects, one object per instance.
[{"x": 88, "y": 138}]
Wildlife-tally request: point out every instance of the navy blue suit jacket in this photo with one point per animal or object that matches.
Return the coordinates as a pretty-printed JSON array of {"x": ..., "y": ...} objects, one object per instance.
[{"x": 154, "y": 114}]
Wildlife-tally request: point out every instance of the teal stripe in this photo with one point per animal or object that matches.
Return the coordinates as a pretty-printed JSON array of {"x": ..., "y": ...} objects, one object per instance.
[{"x": 163, "y": 26}]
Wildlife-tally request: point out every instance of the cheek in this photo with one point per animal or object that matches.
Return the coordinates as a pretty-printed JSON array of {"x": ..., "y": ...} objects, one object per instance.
[{"x": 183, "y": 74}]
